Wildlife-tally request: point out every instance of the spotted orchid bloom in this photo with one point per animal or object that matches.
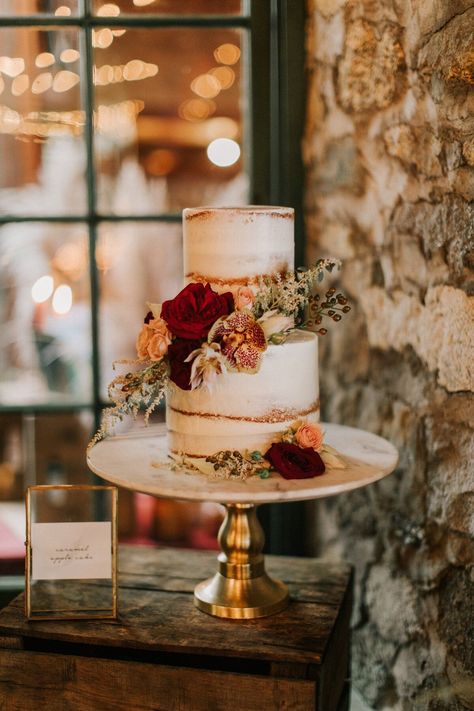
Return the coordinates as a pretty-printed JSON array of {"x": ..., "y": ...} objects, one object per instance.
[{"x": 241, "y": 339}]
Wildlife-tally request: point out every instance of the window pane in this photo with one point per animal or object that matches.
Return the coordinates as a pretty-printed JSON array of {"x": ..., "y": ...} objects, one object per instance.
[
  {"x": 45, "y": 339},
  {"x": 169, "y": 7},
  {"x": 42, "y": 152},
  {"x": 59, "y": 8},
  {"x": 147, "y": 258},
  {"x": 162, "y": 97}
]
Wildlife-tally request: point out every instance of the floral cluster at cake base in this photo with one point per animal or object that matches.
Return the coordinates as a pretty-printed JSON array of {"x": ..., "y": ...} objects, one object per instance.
[{"x": 299, "y": 453}]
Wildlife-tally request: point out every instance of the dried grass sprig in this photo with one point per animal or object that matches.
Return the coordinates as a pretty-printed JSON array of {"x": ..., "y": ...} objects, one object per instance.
[
  {"x": 290, "y": 293},
  {"x": 132, "y": 391}
]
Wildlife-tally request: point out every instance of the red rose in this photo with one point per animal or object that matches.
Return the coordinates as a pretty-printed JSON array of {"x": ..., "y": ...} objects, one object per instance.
[
  {"x": 193, "y": 311},
  {"x": 180, "y": 372},
  {"x": 294, "y": 462}
]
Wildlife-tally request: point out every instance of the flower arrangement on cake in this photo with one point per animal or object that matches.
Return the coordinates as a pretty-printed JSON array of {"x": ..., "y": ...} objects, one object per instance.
[{"x": 202, "y": 335}]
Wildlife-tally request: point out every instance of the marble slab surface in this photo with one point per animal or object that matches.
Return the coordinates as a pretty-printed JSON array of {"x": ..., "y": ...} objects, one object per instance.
[{"x": 139, "y": 461}]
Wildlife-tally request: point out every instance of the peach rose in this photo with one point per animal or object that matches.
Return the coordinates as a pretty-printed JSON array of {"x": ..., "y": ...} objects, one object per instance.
[
  {"x": 159, "y": 324},
  {"x": 143, "y": 340},
  {"x": 309, "y": 435},
  {"x": 157, "y": 346},
  {"x": 244, "y": 298},
  {"x": 153, "y": 340}
]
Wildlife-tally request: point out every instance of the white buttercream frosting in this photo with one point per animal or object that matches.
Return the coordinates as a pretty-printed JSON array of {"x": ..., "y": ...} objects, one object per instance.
[
  {"x": 228, "y": 247},
  {"x": 248, "y": 411},
  {"x": 237, "y": 244}
]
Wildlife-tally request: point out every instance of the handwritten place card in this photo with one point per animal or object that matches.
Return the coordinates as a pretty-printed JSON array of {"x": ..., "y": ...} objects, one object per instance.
[{"x": 71, "y": 551}]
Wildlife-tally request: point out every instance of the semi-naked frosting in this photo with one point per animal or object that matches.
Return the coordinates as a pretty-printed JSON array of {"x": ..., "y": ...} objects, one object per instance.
[
  {"x": 229, "y": 247},
  {"x": 234, "y": 246}
]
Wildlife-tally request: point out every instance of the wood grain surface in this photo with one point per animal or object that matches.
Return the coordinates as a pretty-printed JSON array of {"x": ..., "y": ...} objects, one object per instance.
[{"x": 162, "y": 649}]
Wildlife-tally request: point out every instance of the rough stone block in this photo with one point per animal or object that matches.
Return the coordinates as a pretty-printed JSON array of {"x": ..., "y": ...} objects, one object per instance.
[
  {"x": 372, "y": 71},
  {"x": 393, "y": 605}
]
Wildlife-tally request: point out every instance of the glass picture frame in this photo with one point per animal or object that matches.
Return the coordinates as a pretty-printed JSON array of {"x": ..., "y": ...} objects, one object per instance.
[{"x": 71, "y": 552}]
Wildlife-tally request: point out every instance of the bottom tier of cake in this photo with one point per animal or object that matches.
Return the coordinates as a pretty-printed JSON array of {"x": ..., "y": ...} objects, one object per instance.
[{"x": 248, "y": 412}]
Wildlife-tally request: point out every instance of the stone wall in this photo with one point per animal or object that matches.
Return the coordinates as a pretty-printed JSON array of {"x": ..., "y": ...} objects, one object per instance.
[{"x": 389, "y": 155}]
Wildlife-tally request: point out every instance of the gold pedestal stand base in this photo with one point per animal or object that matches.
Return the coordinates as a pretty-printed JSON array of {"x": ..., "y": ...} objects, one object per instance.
[{"x": 241, "y": 589}]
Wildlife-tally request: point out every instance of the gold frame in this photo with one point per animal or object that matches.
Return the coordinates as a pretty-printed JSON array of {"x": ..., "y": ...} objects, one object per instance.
[{"x": 28, "y": 555}]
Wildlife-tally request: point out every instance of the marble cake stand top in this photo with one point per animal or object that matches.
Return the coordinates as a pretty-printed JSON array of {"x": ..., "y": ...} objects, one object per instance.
[{"x": 139, "y": 461}]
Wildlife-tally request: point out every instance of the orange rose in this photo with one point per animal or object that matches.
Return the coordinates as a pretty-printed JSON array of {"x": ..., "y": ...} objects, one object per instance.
[
  {"x": 157, "y": 346},
  {"x": 309, "y": 435},
  {"x": 153, "y": 340},
  {"x": 143, "y": 341},
  {"x": 158, "y": 324},
  {"x": 244, "y": 298}
]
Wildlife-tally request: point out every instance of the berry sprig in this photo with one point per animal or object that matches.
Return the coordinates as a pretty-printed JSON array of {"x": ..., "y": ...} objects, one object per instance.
[{"x": 333, "y": 306}]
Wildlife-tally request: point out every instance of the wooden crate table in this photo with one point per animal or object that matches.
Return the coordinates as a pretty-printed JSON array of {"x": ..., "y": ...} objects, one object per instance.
[{"x": 166, "y": 655}]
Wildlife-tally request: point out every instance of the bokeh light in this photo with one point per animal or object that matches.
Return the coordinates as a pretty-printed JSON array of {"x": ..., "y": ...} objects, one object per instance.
[
  {"x": 62, "y": 300},
  {"x": 42, "y": 289},
  {"x": 223, "y": 152}
]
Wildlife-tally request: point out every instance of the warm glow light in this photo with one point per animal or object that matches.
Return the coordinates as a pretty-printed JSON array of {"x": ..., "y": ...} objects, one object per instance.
[
  {"x": 62, "y": 299},
  {"x": 63, "y": 11},
  {"x": 72, "y": 55},
  {"x": 45, "y": 59},
  {"x": 12, "y": 66},
  {"x": 42, "y": 83},
  {"x": 42, "y": 289},
  {"x": 222, "y": 127},
  {"x": 223, "y": 152},
  {"x": 227, "y": 54},
  {"x": 206, "y": 86},
  {"x": 20, "y": 84},
  {"x": 117, "y": 74},
  {"x": 196, "y": 109},
  {"x": 133, "y": 69},
  {"x": 103, "y": 75},
  {"x": 142, "y": 3},
  {"x": 102, "y": 38},
  {"x": 108, "y": 10},
  {"x": 65, "y": 80},
  {"x": 71, "y": 260},
  {"x": 2, "y": 85},
  {"x": 161, "y": 162},
  {"x": 118, "y": 33},
  {"x": 224, "y": 75},
  {"x": 151, "y": 70}
]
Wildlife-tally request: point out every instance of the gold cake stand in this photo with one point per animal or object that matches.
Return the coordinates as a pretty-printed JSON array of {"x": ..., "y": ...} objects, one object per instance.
[{"x": 240, "y": 589}]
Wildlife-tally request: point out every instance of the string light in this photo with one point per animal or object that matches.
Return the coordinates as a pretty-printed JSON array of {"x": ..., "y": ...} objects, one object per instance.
[
  {"x": 227, "y": 53},
  {"x": 63, "y": 11},
  {"x": 69, "y": 55},
  {"x": 42, "y": 83},
  {"x": 12, "y": 66},
  {"x": 20, "y": 84},
  {"x": 101, "y": 39},
  {"x": 45, "y": 59},
  {"x": 110, "y": 9},
  {"x": 206, "y": 86},
  {"x": 65, "y": 80},
  {"x": 224, "y": 75},
  {"x": 196, "y": 109}
]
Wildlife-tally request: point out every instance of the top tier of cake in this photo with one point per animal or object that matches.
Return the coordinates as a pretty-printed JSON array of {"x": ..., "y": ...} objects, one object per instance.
[{"x": 234, "y": 246}]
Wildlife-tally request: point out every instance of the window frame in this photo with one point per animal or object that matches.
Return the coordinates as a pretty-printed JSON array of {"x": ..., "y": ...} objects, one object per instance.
[{"x": 275, "y": 122}]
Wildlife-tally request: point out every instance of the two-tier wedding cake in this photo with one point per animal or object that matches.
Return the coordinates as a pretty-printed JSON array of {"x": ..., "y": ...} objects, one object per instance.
[{"x": 231, "y": 249}]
